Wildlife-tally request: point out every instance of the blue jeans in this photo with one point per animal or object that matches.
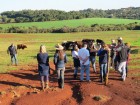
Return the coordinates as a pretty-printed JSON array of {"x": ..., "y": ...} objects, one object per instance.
[
  {"x": 93, "y": 59},
  {"x": 86, "y": 68},
  {"x": 76, "y": 70},
  {"x": 60, "y": 73},
  {"x": 103, "y": 71},
  {"x": 14, "y": 59}
]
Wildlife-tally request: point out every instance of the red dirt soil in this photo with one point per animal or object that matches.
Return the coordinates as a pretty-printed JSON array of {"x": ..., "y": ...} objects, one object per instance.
[{"x": 22, "y": 87}]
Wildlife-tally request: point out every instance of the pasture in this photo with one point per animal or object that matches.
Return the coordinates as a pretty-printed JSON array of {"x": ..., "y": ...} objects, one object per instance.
[
  {"x": 72, "y": 23},
  {"x": 22, "y": 86},
  {"x": 33, "y": 42}
]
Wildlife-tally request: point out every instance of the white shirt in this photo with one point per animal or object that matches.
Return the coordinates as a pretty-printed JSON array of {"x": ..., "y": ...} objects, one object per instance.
[
  {"x": 84, "y": 53},
  {"x": 74, "y": 54}
]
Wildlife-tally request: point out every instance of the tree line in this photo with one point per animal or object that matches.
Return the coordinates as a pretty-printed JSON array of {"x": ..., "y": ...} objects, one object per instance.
[
  {"x": 53, "y": 15},
  {"x": 66, "y": 29}
]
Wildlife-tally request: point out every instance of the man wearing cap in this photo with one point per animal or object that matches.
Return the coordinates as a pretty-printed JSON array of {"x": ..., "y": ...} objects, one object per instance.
[
  {"x": 84, "y": 62},
  {"x": 12, "y": 50},
  {"x": 122, "y": 58}
]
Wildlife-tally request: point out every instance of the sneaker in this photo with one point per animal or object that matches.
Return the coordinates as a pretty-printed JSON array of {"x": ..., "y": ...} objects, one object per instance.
[
  {"x": 88, "y": 80},
  {"x": 123, "y": 78}
]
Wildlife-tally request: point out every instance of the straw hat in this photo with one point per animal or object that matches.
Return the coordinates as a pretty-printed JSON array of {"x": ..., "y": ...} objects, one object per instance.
[{"x": 59, "y": 47}]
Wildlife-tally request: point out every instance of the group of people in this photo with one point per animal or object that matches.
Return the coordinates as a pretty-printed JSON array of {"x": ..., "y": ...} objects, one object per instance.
[{"x": 117, "y": 52}]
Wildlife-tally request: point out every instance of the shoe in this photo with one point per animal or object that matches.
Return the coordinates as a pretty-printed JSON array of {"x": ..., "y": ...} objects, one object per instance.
[
  {"x": 123, "y": 79},
  {"x": 81, "y": 80},
  {"x": 88, "y": 80}
]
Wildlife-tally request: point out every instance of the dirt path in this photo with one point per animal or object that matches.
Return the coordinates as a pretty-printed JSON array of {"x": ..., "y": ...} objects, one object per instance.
[{"x": 22, "y": 87}]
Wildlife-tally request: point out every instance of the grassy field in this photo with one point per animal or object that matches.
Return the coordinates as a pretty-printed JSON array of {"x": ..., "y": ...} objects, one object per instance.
[
  {"x": 72, "y": 23},
  {"x": 33, "y": 42}
]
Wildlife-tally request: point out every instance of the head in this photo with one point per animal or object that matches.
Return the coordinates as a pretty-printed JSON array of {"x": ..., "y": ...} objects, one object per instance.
[
  {"x": 119, "y": 42},
  {"x": 85, "y": 45},
  {"x": 76, "y": 48},
  {"x": 92, "y": 46},
  {"x": 12, "y": 44},
  {"x": 42, "y": 49},
  {"x": 127, "y": 44},
  {"x": 119, "y": 38},
  {"x": 105, "y": 46},
  {"x": 59, "y": 48},
  {"x": 112, "y": 40}
]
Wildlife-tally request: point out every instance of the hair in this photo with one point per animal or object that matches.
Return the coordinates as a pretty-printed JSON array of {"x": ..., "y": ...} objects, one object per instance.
[
  {"x": 61, "y": 54},
  {"x": 120, "y": 41},
  {"x": 84, "y": 45},
  {"x": 42, "y": 49},
  {"x": 76, "y": 48},
  {"x": 127, "y": 44}
]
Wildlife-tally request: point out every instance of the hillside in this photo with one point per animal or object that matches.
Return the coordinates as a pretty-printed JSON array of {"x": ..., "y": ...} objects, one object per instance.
[{"x": 54, "y": 15}]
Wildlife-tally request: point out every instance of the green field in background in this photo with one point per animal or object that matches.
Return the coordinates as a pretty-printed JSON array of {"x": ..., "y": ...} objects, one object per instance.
[
  {"x": 33, "y": 42},
  {"x": 72, "y": 23}
]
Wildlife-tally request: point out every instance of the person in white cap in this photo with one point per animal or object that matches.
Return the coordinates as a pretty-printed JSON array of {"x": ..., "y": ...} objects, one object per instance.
[{"x": 122, "y": 58}]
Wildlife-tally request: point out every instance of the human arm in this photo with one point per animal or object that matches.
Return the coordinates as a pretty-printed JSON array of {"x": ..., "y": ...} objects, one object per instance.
[{"x": 65, "y": 59}]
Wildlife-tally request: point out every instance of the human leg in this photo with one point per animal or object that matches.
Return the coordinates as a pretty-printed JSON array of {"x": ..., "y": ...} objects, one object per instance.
[
  {"x": 104, "y": 71},
  {"x": 75, "y": 72},
  {"x": 101, "y": 72},
  {"x": 42, "y": 82},
  {"x": 62, "y": 77},
  {"x": 82, "y": 73},
  {"x": 59, "y": 79},
  {"x": 87, "y": 67}
]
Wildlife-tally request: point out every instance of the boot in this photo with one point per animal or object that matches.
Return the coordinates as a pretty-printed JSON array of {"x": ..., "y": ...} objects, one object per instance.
[
  {"x": 59, "y": 83},
  {"x": 42, "y": 86},
  {"x": 62, "y": 83}
]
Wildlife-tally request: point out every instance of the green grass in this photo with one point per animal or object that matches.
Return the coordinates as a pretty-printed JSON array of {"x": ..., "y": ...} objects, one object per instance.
[
  {"x": 72, "y": 23},
  {"x": 33, "y": 42}
]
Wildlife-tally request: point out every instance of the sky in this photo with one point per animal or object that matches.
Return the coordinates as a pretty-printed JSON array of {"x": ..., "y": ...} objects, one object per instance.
[{"x": 66, "y": 5}]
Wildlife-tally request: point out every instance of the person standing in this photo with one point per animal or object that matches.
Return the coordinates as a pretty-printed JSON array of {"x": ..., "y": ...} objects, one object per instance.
[
  {"x": 103, "y": 54},
  {"x": 76, "y": 60},
  {"x": 112, "y": 53},
  {"x": 60, "y": 59},
  {"x": 122, "y": 58},
  {"x": 84, "y": 62},
  {"x": 12, "y": 50},
  {"x": 128, "y": 57},
  {"x": 43, "y": 67},
  {"x": 93, "y": 52}
]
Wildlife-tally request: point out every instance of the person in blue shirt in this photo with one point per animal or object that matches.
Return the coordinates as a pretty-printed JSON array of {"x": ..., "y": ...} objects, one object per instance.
[
  {"x": 43, "y": 67},
  {"x": 60, "y": 59},
  {"x": 103, "y": 54}
]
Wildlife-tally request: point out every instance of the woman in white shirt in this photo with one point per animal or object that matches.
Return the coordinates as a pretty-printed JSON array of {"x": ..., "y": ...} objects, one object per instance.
[{"x": 76, "y": 60}]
